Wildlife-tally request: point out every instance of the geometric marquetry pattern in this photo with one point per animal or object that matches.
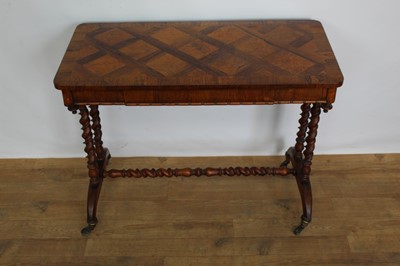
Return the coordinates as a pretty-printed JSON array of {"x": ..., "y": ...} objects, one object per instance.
[{"x": 202, "y": 53}]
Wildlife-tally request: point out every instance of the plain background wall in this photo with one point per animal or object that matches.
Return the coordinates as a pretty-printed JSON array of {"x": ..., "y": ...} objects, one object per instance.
[{"x": 365, "y": 36}]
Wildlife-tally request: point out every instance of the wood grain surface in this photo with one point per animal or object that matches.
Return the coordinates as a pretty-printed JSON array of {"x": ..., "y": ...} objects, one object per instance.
[
  {"x": 207, "y": 62},
  {"x": 201, "y": 221}
]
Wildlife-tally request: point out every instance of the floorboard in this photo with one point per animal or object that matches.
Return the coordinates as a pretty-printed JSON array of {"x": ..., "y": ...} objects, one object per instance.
[{"x": 201, "y": 220}]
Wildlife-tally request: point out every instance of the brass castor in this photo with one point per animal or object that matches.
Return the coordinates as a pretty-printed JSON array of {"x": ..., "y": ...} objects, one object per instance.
[
  {"x": 89, "y": 228},
  {"x": 301, "y": 227}
]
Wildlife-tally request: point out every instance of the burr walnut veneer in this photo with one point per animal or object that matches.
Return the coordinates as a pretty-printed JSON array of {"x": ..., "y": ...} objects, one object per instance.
[{"x": 199, "y": 63}]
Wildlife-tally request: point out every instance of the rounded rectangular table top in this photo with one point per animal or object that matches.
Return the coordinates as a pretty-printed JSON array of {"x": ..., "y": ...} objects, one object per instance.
[{"x": 225, "y": 61}]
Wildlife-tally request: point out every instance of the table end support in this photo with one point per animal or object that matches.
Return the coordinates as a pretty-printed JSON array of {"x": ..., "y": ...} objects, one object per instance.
[
  {"x": 304, "y": 187},
  {"x": 97, "y": 159},
  {"x": 301, "y": 155},
  {"x": 94, "y": 193}
]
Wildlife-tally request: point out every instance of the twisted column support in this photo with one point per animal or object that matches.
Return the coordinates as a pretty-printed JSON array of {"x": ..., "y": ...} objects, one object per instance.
[
  {"x": 303, "y": 174},
  {"x": 96, "y": 126},
  {"x": 301, "y": 155},
  {"x": 311, "y": 139},
  {"x": 301, "y": 134},
  {"x": 295, "y": 154},
  {"x": 89, "y": 146},
  {"x": 96, "y": 160},
  {"x": 169, "y": 172}
]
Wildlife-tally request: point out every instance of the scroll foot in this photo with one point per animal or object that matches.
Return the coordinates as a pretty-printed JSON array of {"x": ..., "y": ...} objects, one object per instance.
[
  {"x": 89, "y": 228},
  {"x": 300, "y": 227}
]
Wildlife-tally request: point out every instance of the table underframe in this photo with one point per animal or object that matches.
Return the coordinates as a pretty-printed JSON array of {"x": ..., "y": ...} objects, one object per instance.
[{"x": 299, "y": 157}]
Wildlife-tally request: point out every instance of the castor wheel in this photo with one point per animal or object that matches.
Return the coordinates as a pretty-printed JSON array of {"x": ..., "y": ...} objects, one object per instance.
[
  {"x": 88, "y": 229},
  {"x": 301, "y": 227}
]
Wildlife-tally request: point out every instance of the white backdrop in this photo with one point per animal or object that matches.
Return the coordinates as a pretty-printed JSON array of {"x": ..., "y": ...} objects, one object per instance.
[{"x": 365, "y": 36}]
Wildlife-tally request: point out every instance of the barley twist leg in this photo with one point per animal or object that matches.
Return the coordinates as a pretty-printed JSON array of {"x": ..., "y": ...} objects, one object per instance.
[
  {"x": 303, "y": 176},
  {"x": 95, "y": 176}
]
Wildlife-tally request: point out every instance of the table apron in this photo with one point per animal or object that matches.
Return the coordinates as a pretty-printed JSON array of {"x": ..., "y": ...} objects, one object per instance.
[{"x": 198, "y": 97}]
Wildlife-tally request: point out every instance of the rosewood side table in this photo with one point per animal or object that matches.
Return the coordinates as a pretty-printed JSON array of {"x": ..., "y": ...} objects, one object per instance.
[{"x": 199, "y": 63}]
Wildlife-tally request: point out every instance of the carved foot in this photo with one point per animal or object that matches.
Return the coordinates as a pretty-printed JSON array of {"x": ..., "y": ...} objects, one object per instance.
[
  {"x": 89, "y": 228},
  {"x": 301, "y": 227}
]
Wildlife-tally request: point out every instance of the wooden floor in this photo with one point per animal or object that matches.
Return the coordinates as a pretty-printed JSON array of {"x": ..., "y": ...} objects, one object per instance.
[{"x": 201, "y": 221}]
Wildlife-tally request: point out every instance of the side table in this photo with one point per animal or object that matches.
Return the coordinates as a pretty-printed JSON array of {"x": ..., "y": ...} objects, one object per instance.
[{"x": 199, "y": 63}]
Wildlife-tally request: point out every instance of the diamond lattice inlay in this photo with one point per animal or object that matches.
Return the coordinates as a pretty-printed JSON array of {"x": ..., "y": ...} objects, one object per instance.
[
  {"x": 229, "y": 63},
  {"x": 167, "y": 64},
  {"x": 227, "y": 34},
  {"x": 198, "y": 49},
  {"x": 282, "y": 34},
  {"x": 255, "y": 47},
  {"x": 113, "y": 36},
  {"x": 298, "y": 64},
  {"x": 139, "y": 49},
  {"x": 201, "y": 53},
  {"x": 86, "y": 51},
  {"x": 171, "y": 36},
  {"x": 104, "y": 65}
]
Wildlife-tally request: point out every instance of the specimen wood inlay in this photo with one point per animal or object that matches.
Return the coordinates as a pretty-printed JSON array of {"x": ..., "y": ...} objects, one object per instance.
[{"x": 242, "y": 62}]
